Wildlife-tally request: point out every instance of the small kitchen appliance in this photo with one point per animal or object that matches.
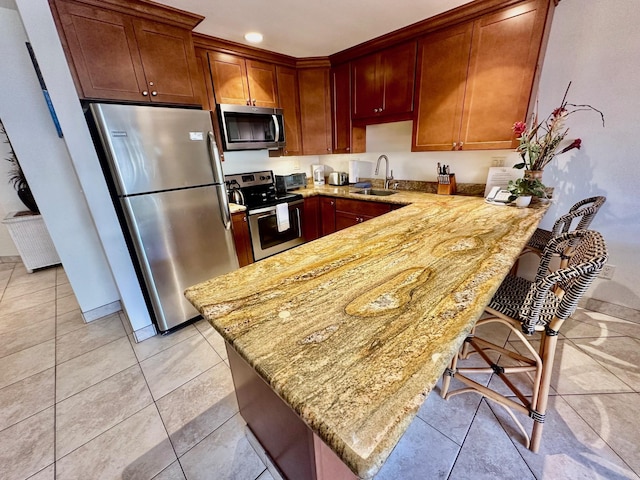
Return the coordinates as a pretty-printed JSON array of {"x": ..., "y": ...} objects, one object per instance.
[
  {"x": 293, "y": 181},
  {"x": 318, "y": 174},
  {"x": 338, "y": 178}
]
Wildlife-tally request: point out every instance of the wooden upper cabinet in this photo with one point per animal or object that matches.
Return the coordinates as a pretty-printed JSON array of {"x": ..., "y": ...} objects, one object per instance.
[
  {"x": 289, "y": 100},
  {"x": 241, "y": 81},
  {"x": 443, "y": 58},
  {"x": 315, "y": 110},
  {"x": 116, "y": 56},
  {"x": 169, "y": 63},
  {"x": 383, "y": 83},
  {"x": 475, "y": 80},
  {"x": 341, "y": 108},
  {"x": 502, "y": 66}
]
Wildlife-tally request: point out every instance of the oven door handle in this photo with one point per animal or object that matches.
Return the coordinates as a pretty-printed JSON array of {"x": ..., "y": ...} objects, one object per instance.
[{"x": 299, "y": 223}]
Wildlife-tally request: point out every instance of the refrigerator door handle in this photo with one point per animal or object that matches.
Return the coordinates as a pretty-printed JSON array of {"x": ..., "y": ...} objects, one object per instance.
[
  {"x": 223, "y": 201},
  {"x": 216, "y": 163}
]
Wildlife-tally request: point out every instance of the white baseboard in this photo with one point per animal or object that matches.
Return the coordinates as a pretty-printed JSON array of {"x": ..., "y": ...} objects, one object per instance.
[{"x": 103, "y": 311}]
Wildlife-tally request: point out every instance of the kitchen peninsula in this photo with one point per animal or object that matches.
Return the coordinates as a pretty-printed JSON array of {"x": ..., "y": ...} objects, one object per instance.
[{"x": 352, "y": 331}]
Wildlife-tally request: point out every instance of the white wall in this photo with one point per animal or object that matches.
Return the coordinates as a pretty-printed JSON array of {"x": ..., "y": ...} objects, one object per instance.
[
  {"x": 9, "y": 201},
  {"x": 46, "y": 164},
  {"x": 596, "y": 45},
  {"x": 114, "y": 274}
]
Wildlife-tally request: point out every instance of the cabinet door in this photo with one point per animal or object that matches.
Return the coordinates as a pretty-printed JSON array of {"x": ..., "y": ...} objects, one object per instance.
[
  {"x": 327, "y": 215},
  {"x": 398, "y": 69},
  {"x": 241, "y": 238},
  {"x": 289, "y": 101},
  {"x": 341, "y": 108},
  {"x": 261, "y": 77},
  {"x": 169, "y": 62},
  {"x": 362, "y": 208},
  {"x": 229, "y": 76},
  {"x": 103, "y": 50},
  {"x": 367, "y": 86},
  {"x": 315, "y": 110},
  {"x": 311, "y": 218},
  {"x": 347, "y": 219},
  {"x": 502, "y": 65},
  {"x": 442, "y": 72}
]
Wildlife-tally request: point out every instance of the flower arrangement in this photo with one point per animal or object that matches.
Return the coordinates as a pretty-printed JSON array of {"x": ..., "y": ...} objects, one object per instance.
[{"x": 539, "y": 144}]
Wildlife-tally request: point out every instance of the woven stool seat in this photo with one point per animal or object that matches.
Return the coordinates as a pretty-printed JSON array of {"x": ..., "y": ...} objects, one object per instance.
[
  {"x": 538, "y": 309},
  {"x": 539, "y": 239},
  {"x": 511, "y": 295}
]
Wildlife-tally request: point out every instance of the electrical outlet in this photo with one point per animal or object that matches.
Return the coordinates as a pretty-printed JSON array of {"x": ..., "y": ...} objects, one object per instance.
[
  {"x": 607, "y": 272},
  {"x": 296, "y": 164},
  {"x": 497, "y": 161}
]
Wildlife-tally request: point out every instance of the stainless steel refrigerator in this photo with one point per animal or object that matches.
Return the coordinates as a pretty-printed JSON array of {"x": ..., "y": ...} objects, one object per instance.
[{"x": 169, "y": 184}]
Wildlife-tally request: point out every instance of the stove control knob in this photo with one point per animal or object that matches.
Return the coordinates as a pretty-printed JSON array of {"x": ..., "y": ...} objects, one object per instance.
[{"x": 262, "y": 177}]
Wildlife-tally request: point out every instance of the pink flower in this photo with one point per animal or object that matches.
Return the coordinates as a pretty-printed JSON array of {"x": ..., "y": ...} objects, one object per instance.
[{"x": 519, "y": 128}]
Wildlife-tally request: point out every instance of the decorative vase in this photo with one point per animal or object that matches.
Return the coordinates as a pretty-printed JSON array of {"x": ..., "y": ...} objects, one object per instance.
[
  {"x": 523, "y": 201},
  {"x": 533, "y": 174},
  {"x": 27, "y": 198}
]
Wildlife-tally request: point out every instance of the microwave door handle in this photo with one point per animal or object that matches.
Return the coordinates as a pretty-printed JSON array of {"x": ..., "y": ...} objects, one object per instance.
[{"x": 277, "y": 125}]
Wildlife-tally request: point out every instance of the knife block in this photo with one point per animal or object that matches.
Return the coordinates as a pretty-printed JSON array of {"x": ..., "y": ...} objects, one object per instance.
[{"x": 447, "y": 184}]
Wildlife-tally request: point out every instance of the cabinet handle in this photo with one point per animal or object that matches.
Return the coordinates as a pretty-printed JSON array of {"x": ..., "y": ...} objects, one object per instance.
[
  {"x": 244, "y": 219},
  {"x": 254, "y": 102},
  {"x": 461, "y": 144},
  {"x": 248, "y": 101},
  {"x": 375, "y": 110},
  {"x": 380, "y": 109},
  {"x": 151, "y": 84},
  {"x": 145, "y": 93},
  {"x": 154, "y": 93},
  {"x": 332, "y": 203},
  {"x": 348, "y": 149},
  {"x": 455, "y": 145}
]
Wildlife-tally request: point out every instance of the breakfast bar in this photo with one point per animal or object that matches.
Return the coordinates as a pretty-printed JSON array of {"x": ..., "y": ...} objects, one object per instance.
[{"x": 349, "y": 333}]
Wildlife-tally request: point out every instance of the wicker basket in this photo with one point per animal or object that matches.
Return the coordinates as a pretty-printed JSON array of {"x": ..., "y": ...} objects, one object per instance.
[{"x": 32, "y": 240}]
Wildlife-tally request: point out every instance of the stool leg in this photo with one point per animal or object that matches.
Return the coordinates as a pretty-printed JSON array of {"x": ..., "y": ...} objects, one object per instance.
[{"x": 540, "y": 406}]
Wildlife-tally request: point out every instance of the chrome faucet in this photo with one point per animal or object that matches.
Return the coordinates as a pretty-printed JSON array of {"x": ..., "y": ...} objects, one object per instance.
[{"x": 387, "y": 177}]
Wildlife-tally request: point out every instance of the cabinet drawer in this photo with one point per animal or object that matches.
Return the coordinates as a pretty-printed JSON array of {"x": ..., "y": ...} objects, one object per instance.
[{"x": 359, "y": 207}]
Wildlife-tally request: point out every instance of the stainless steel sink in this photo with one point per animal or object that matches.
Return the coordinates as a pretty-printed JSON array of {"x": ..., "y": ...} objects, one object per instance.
[{"x": 379, "y": 193}]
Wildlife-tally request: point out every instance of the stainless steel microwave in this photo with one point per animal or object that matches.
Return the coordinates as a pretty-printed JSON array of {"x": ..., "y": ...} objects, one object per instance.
[{"x": 251, "y": 128}]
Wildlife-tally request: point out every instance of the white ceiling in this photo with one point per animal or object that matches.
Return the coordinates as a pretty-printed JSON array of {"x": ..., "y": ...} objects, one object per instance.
[{"x": 304, "y": 28}]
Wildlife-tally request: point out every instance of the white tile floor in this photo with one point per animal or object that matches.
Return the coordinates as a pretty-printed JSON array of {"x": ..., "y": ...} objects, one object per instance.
[{"x": 83, "y": 401}]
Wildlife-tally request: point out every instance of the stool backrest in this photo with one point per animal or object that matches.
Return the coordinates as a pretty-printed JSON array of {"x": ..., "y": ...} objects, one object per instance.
[
  {"x": 585, "y": 210},
  {"x": 588, "y": 257}
]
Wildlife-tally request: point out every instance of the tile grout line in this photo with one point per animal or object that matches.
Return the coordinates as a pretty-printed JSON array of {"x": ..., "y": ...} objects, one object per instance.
[{"x": 598, "y": 433}]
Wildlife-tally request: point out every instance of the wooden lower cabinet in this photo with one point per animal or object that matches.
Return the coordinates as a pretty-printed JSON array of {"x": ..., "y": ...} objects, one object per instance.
[
  {"x": 241, "y": 238},
  {"x": 351, "y": 212},
  {"x": 311, "y": 219},
  {"x": 327, "y": 215}
]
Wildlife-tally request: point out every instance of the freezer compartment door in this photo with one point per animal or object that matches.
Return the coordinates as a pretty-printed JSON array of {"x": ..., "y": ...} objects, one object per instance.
[
  {"x": 151, "y": 149},
  {"x": 180, "y": 239}
]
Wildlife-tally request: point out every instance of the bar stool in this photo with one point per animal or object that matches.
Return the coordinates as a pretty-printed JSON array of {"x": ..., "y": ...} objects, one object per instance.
[
  {"x": 532, "y": 310},
  {"x": 585, "y": 210}
]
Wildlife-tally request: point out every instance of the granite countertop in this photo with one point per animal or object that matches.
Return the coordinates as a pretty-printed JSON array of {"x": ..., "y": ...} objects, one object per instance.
[{"x": 354, "y": 329}]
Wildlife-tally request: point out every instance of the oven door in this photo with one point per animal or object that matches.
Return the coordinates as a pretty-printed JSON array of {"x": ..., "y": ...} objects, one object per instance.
[{"x": 265, "y": 237}]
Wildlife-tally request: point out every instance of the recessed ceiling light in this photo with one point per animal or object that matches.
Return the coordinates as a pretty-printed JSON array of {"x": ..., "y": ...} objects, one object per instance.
[{"x": 253, "y": 37}]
